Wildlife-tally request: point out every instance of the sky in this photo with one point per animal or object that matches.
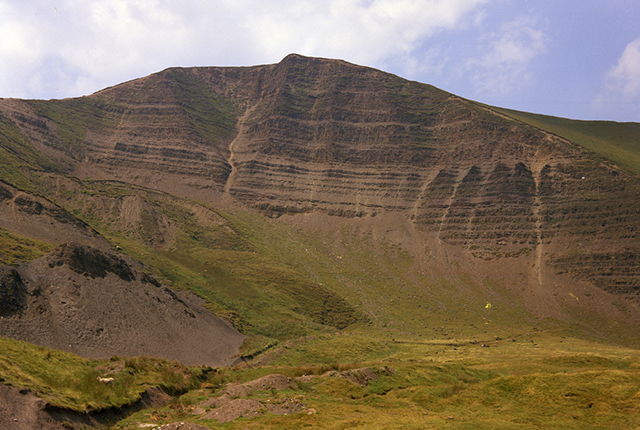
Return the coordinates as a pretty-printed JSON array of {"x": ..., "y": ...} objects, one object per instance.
[{"x": 576, "y": 59}]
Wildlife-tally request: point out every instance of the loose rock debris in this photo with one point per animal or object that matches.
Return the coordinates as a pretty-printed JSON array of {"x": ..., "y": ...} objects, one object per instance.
[
  {"x": 230, "y": 405},
  {"x": 232, "y": 402}
]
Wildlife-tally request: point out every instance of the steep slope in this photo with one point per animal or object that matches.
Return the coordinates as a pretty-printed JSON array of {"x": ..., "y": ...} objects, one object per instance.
[
  {"x": 81, "y": 300},
  {"x": 454, "y": 203},
  {"x": 37, "y": 218}
]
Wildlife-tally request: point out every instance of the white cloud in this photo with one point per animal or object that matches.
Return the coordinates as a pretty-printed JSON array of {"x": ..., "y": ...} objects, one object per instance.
[
  {"x": 620, "y": 92},
  {"x": 507, "y": 56},
  {"x": 363, "y": 32},
  {"x": 624, "y": 78},
  {"x": 73, "y": 47}
]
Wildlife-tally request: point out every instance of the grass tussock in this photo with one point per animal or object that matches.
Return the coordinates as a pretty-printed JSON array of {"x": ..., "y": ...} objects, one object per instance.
[{"x": 68, "y": 381}]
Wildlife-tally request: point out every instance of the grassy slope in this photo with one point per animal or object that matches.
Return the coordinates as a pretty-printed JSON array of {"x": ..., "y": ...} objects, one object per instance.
[
  {"x": 278, "y": 282},
  {"x": 66, "y": 380},
  {"x": 17, "y": 155},
  {"x": 618, "y": 142},
  {"x": 223, "y": 263},
  {"x": 281, "y": 282},
  {"x": 508, "y": 384},
  {"x": 16, "y": 249},
  {"x": 540, "y": 380}
]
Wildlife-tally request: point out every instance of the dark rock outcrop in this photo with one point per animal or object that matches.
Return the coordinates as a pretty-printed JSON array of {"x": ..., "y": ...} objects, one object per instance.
[
  {"x": 89, "y": 261},
  {"x": 13, "y": 293}
]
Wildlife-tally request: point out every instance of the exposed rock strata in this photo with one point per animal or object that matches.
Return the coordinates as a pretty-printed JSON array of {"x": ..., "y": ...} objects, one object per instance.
[{"x": 311, "y": 134}]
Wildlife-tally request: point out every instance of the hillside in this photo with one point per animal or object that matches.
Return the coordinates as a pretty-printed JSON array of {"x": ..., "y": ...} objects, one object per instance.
[
  {"x": 81, "y": 300},
  {"x": 314, "y": 197},
  {"x": 617, "y": 142}
]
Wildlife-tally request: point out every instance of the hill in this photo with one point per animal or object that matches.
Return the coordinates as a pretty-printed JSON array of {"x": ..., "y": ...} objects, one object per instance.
[
  {"x": 314, "y": 197},
  {"x": 95, "y": 304}
]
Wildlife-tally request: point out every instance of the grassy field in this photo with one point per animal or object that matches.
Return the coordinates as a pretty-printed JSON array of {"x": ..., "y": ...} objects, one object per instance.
[
  {"x": 538, "y": 380},
  {"x": 68, "y": 381},
  {"x": 535, "y": 380}
]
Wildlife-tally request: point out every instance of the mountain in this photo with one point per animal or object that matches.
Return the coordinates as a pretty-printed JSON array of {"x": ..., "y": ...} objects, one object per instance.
[{"x": 313, "y": 195}]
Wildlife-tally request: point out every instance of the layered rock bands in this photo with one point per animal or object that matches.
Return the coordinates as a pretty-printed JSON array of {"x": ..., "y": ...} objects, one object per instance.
[{"x": 324, "y": 135}]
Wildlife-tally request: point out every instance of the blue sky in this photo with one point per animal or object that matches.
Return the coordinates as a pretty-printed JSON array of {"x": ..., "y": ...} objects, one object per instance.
[{"x": 569, "y": 58}]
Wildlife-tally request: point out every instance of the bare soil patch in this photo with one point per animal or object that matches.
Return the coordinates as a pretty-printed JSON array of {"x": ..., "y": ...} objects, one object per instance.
[
  {"x": 182, "y": 426},
  {"x": 229, "y": 406},
  {"x": 235, "y": 409}
]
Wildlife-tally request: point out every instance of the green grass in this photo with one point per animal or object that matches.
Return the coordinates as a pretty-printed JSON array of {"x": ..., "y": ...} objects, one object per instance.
[
  {"x": 68, "y": 381},
  {"x": 540, "y": 381},
  {"x": 618, "y": 142},
  {"x": 15, "y": 249},
  {"x": 260, "y": 296}
]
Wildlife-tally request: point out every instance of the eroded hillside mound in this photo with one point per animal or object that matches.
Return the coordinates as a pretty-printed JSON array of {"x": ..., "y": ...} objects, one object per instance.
[{"x": 95, "y": 304}]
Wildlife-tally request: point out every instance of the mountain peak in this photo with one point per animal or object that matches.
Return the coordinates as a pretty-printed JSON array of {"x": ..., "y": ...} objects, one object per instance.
[{"x": 461, "y": 190}]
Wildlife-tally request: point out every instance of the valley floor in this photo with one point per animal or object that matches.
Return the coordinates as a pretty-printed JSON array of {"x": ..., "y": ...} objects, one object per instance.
[{"x": 533, "y": 380}]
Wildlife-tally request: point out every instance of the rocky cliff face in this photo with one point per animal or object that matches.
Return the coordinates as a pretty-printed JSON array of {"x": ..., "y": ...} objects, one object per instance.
[{"x": 313, "y": 135}]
